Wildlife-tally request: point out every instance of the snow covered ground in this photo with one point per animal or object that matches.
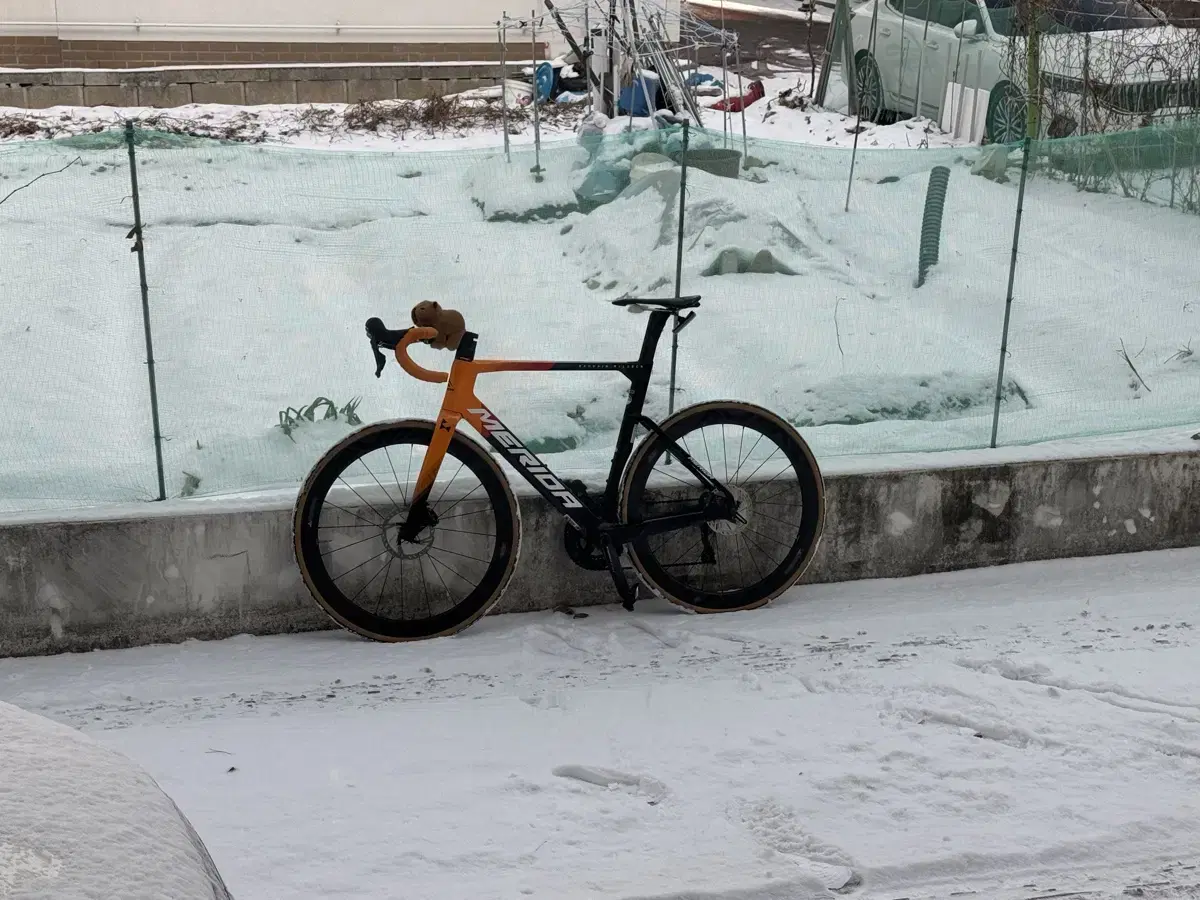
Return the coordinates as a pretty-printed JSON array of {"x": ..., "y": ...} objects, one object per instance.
[
  {"x": 264, "y": 261},
  {"x": 321, "y": 126},
  {"x": 1014, "y": 732}
]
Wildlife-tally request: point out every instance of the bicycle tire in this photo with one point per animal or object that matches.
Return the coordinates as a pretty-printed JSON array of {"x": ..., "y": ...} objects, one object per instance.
[
  {"x": 321, "y": 582},
  {"x": 808, "y": 488}
]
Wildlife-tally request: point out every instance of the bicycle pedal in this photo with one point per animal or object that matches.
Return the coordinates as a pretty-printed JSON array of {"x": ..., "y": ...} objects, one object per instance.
[{"x": 638, "y": 594}]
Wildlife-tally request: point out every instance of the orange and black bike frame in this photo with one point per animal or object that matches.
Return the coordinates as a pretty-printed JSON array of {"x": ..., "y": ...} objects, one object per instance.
[{"x": 598, "y": 520}]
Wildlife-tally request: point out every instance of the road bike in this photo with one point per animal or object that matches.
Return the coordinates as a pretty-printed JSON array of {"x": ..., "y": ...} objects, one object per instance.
[{"x": 718, "y": 508}]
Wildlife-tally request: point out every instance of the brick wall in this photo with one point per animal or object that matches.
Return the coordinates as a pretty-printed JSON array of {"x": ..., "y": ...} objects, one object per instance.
[
  {"x": 30, "y": 52},
  {"x": 50, "y": 52},
  {"x": 248, "y": 85}
]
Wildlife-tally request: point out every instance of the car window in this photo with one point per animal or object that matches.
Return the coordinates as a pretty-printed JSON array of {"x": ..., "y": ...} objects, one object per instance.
[
  {"x": 951, "y": 12},
  {"x": 1061, "y": 16},
  {"x": 915, "y": 9}
]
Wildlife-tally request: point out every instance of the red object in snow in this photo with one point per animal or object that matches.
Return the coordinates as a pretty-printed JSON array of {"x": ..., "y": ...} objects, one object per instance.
[{"x": 737, "y": 104}]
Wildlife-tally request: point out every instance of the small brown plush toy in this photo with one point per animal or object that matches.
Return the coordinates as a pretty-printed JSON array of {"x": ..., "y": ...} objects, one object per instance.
[{"x": 448, "y": 322}]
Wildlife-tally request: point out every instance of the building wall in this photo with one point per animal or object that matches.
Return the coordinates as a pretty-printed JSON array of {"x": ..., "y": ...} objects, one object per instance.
[{"x": 133, "y": 33}]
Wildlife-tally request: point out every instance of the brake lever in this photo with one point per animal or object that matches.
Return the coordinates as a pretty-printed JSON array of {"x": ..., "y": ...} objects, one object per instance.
[
  {"x": 380, "y": 359},
  {"x": 372, "y": 328}
]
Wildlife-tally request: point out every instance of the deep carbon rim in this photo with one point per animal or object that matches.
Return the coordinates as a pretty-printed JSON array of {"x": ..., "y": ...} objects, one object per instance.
[
  {"x": 390, "y": 589},
  {"x": 785, "y": 504}
]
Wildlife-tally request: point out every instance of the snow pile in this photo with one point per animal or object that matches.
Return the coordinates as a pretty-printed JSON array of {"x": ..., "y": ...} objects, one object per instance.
[{"x": 79, "y": 821}]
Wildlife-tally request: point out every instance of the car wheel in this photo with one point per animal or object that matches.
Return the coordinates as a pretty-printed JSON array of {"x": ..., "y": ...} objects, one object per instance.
[
  {"x": 1006, "y": 115},
  {"x": 869, "y": 92}
]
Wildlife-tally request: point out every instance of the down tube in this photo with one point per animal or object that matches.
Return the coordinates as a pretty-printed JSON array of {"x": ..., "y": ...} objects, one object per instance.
[{"x": 531, "y": 468}]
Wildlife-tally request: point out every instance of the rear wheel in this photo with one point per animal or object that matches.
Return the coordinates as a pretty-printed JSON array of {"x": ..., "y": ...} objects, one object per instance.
[
  {"x": 354, "y": 561},
  {"x": 729, "y": 564}
]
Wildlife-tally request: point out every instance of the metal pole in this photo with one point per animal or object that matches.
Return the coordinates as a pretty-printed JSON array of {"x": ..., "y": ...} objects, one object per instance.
[
  {"x": 537, "y": 121},
  {"x": 612, "y": 72},
  {"x": 502, "y": 28},
  {"x": 858, "y": 115},
  {"x": 678, "y": 264},
  {"x": 635, "y": 63},
  {"x": 724, "y": 80},
  {"x": 737, "y": 61},
  {"x": 1012, "y": 274},
  {"x": 139, "y": 249},
  {"x": 587, "y": 52}
]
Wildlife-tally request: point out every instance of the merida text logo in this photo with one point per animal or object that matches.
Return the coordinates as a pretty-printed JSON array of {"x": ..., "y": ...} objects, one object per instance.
[{"x": 526, "y": 460}]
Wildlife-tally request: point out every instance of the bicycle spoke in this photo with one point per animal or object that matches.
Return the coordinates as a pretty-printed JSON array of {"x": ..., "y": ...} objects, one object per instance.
[
  {"x": 741, "y": 462},
  {"x": 443, "y": 518},
  {"x": 456, "y": 553},
  {"x": 382, "y": 518},
  {"x": 453, "y": 571},
  {"x": 685, "y": 552},
  {"x": 460, "y": 531},
  {"x": 761, "y": 464},
  {"x": 772, "y": 478},
  {"x": 361, "y": 564},
  {"x": 768, "y": 537},
  {"x": 780, "y": 521},
  {"x": 383, "y": 587},
  {"x": 353, "y": 544},
  {"x": 448, "y": 483},
  {"x": 759, "y": 548},
  {"x": 434, "y": 563},
  {"x": 391, "y": 465},
  {"x": 362, "y": 460},
  {"x": 350, "y": 513},
  {"x": 724, "y": 451},
  {"x": 359, "y": 592}
]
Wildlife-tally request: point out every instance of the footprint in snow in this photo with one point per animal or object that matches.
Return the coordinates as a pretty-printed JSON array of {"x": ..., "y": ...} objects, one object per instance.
[
  {"x": 651, "y": 788},
  {"x": 777, "y": 828}
]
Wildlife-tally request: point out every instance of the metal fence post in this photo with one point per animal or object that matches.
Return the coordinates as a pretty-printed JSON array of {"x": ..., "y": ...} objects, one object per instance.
[
  {"x": 139, "y": 248},
  {"x": 678, "y": 268},
  {"x": 1012, "y": 274}
]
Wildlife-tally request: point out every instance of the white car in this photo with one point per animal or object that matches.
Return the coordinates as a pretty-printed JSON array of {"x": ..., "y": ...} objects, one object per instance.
[
  {"x": 81, "y": 822},
  {"x": 1132, "y": 61}
]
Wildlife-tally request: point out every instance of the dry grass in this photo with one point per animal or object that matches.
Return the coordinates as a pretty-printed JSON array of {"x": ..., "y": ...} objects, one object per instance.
[
  {"x": 432, "y": 117},
  {"x": 437, "y": 116},
  {"x": 17, "y": 126}
]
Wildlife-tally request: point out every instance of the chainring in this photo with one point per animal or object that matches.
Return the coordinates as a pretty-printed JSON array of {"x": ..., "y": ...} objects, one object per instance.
[{"x": 585, "y": 553}]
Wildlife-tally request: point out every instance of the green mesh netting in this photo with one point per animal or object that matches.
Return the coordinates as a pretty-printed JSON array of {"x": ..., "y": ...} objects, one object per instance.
[{"x": 263, "y": 263}]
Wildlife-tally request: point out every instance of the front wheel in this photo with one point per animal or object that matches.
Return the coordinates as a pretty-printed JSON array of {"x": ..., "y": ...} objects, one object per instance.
[
  {"x": 729, "y": 564},
  {"x": 368, "y": 578}
]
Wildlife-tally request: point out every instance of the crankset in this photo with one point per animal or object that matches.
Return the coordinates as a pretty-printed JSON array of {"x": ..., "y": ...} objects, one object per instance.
[{"x": 584, "y": 552}]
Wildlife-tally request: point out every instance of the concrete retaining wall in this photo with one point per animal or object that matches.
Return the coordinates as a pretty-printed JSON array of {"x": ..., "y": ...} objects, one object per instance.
[
  {"x": 181, "y": 573},
  {"x": 249, "y": 85}
]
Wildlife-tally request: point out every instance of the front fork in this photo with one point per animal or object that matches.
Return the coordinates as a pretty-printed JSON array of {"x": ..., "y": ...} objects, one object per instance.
[{"x": 420, "y": 516}]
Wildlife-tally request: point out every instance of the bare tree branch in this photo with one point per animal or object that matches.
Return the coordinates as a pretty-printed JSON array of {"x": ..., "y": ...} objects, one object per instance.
[
  {"x": 1137, "y": 374},
  {"x": 77, "y": 159}
]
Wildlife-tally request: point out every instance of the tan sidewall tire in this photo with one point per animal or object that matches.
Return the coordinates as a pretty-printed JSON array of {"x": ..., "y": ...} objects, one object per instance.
[
  {"x": 459, "y": 439},
  {"x": 644, "y": 447}
]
